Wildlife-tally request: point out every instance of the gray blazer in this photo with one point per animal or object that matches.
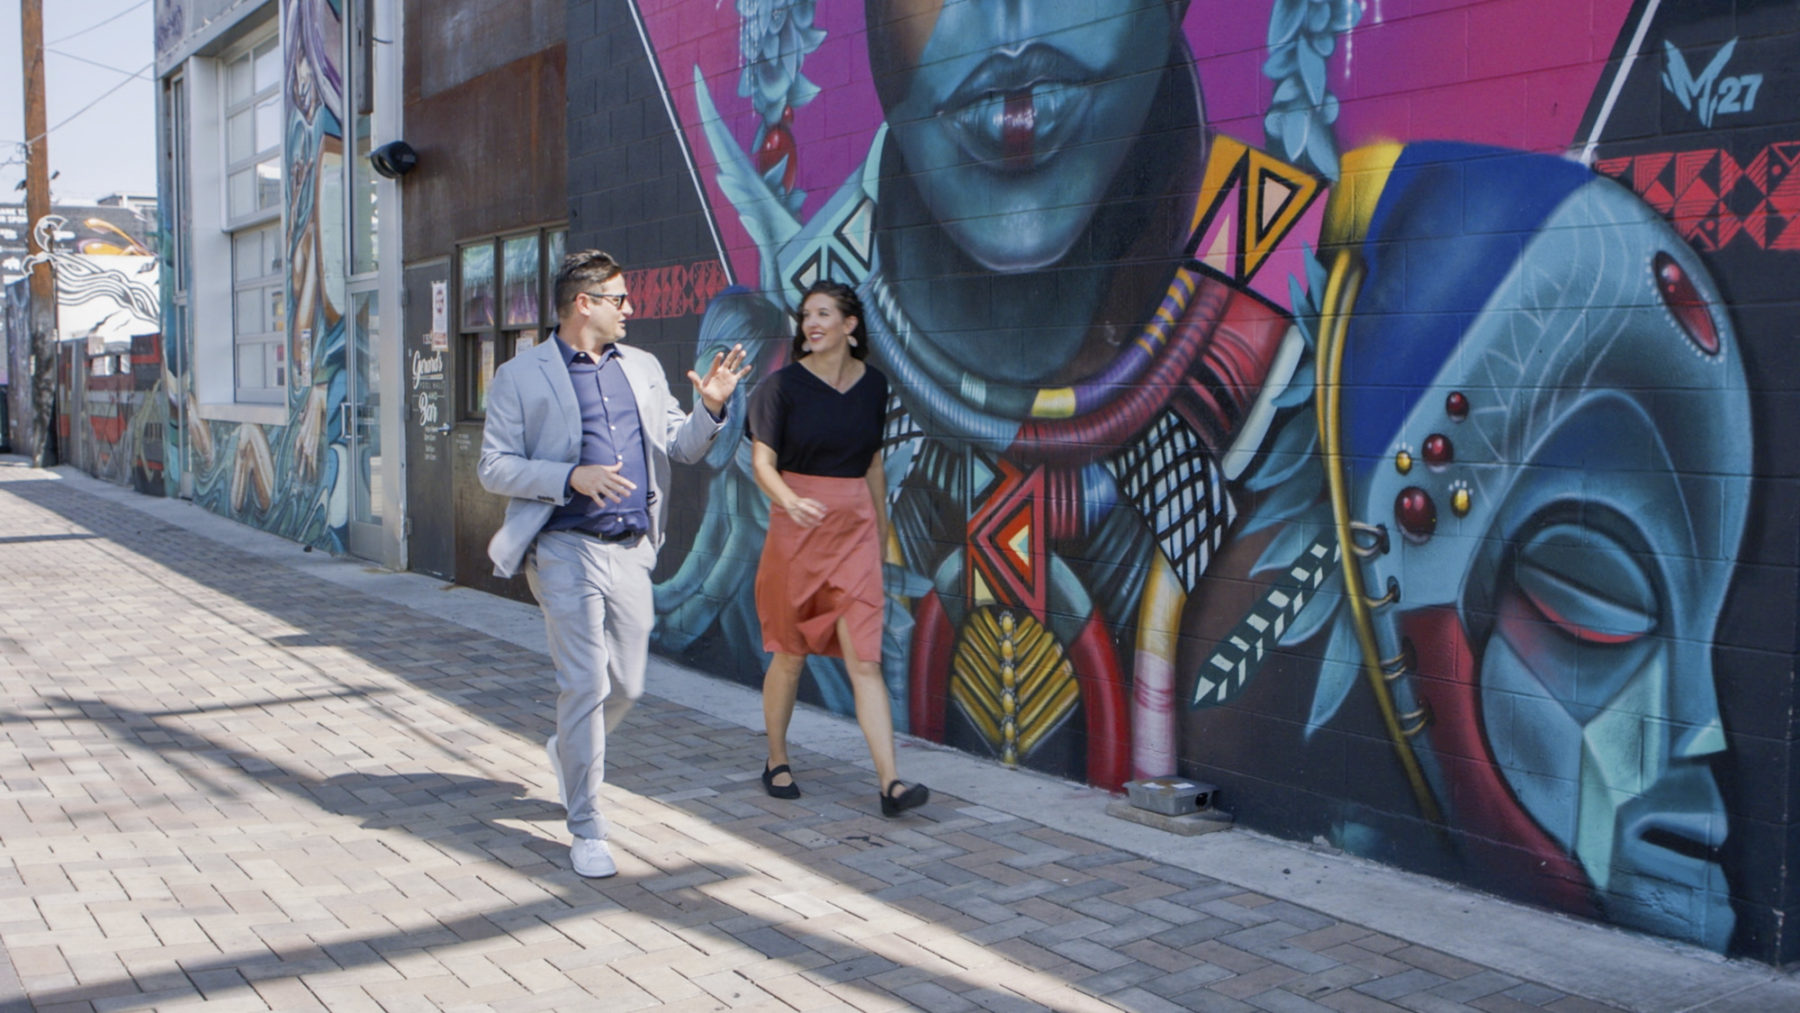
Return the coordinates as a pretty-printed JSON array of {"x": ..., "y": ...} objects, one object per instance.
[{"x": 533, "y": 437}]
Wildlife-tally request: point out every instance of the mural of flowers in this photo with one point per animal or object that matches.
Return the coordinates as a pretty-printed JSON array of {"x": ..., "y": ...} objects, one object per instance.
[
  {"x": 1302, "y": 36},
  {"x": 774, "y": 41}
]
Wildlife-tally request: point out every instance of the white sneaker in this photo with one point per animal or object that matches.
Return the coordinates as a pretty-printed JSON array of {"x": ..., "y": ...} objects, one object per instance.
[
  {"x": 562, "y": 790},
  {"x": 592, "y": 858}
]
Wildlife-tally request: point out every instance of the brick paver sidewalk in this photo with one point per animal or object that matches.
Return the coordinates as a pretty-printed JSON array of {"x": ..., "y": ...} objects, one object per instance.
[{"x": 232, "y": 783}]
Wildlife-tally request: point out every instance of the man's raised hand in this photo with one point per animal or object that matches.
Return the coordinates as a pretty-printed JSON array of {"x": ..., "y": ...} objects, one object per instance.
[{"x": 721, "y": 379}]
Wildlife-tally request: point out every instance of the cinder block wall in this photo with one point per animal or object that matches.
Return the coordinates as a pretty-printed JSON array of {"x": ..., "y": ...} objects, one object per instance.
[{"x": 1382, "y": 414}]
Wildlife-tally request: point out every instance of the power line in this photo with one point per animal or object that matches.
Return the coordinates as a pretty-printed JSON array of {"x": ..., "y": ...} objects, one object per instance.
[
  {"x": 97, "y": 24},
  {"x": 103, "y": 95},
  {"x": 102, "y": 66}
]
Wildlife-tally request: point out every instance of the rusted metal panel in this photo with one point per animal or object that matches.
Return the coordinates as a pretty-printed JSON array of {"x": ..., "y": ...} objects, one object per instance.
[
  {"x": 492, "y": 156},
  {"x": 485, "y": 110},
  {"x": 450, "y": 43}
]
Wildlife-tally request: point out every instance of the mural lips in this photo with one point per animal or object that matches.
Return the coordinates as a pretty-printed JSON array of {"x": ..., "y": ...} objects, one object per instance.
[{"x": 1015, "y": 111}]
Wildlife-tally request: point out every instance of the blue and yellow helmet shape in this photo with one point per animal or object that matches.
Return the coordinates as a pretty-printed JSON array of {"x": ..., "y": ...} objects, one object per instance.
[
  {"x": 1526, "y": 378},
  {"x": 1504, "y": 297}
]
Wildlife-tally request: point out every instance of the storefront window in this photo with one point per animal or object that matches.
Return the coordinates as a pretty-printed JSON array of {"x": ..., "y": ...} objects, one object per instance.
[{"x": 504, "y": 303}]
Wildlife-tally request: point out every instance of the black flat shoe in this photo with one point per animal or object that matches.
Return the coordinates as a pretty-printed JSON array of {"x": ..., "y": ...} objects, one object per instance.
[
  {"x": 790, "y": 790},
  {"x": 911, "y": 798}
]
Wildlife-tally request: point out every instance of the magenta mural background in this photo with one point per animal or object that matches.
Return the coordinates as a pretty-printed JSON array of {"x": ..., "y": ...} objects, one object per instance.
[{"x": 1521, "y": 88}]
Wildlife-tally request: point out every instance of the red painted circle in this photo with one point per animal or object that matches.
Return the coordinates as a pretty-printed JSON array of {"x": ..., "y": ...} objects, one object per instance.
[
  {"x": 1438, "y": 450},
  {"x": 1415, "y": 513},
  {"x": 1457, "y": 404}
]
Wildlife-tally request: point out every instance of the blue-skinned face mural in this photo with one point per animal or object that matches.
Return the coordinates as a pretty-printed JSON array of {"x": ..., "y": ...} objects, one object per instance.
[
  {"x": 1396, "y": 484},
  {"x": 1559, "y": 481},
  {"x": 1013, "y": 119},
  {"x": 1005, "y": 213}
]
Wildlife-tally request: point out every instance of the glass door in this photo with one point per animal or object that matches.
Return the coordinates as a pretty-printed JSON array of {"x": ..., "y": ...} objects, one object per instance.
[
  {"x": 370, "y": 498},
  {"x": 362, "y": 423}
]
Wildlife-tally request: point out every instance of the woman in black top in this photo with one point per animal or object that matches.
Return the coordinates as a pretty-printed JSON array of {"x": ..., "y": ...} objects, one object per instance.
[{"x": 817, "y": 456}]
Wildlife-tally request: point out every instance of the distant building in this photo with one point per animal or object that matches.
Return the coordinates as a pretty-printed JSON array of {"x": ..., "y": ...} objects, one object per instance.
[{"x": 108, "y": 331}]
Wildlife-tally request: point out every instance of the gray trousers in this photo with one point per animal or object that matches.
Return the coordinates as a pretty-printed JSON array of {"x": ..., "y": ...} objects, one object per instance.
[{"x": 598, "y": 611}]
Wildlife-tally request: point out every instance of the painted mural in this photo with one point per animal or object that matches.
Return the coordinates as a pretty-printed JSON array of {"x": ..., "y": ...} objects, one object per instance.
[
  {"x": 113, "y": 413},
  {"x": 291, "y": 479},
  {"x": 1290, "y": 395},
  {"x": 112, "y": 406},
  {"x": 112, "y": 403},
  {"x": 104, "y": 230}
]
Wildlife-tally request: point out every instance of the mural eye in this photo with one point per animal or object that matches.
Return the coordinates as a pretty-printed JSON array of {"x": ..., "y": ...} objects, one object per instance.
[
  {"x": 1587, "y": 584},
  {"x": 1684, "y": 303}
]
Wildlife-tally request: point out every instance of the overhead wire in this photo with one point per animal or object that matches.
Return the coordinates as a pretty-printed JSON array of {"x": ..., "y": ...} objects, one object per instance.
[
  {"x": 102, "y": 66},
  {"x": 131, "y": 75},
  {"x": 97, "y": 24},
  {"x": 97, "y": 100}
]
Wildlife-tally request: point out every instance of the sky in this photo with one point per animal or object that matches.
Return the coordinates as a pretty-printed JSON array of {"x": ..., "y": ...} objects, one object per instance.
[{"x": 109, "y": 148}]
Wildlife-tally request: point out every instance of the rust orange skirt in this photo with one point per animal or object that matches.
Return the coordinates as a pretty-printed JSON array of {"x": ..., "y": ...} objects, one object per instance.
[{"x": 810, "y": 578}]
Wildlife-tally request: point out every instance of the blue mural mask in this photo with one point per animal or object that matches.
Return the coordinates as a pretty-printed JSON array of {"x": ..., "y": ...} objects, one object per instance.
[
  {"x": 1015, "y": 118},
  {"x": 1543, "y": 404}
]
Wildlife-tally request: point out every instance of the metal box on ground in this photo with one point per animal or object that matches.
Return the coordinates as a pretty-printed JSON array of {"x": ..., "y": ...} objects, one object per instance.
[{"x": 1171, "y": 796}]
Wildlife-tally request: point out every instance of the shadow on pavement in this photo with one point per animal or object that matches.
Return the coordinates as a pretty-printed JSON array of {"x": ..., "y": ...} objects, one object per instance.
[
  {"x": 470, "y": 815},
  {"x": 504, "y": 688}
]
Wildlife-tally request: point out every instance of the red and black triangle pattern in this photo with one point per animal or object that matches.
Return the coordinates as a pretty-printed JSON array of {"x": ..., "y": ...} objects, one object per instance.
[
  {"x": 679, "y": 290},
  {"x": 1713, "y": 200},
  {"x": 1006, "y": 539}
]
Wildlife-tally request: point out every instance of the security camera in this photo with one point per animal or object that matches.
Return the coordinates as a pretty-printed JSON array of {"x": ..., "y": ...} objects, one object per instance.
[{"x": 394, "y": 159}]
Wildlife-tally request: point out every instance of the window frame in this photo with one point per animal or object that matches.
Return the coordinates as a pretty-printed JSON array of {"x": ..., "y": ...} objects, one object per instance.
[
  {"x": 268, "y": 292},
  {"x": 230, "y": 106},
  {"x": 267, "y": 344},
  {"x": 175, "y": 154},
  {"x": 496, "y": 337},
  {"x": 175, "y": 197}
]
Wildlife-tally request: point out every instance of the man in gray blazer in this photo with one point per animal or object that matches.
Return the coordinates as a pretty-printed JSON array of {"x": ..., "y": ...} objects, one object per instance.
[{"x": 580, "y": 432}]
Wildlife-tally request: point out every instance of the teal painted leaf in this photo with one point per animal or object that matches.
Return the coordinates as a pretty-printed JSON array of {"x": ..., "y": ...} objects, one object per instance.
[
  {"x": 1298, "y": 492},
  {"x": 1322, "y": 607},
  {"x": 1279, "y": 64},
  {"x": 1291, "y": 541},
  {"x": 1312, "y": 74},
  {"x": 1349, "y": 14},
  {"x": 1337, "y": 676},
  {"x": 1285, "y": 21}
]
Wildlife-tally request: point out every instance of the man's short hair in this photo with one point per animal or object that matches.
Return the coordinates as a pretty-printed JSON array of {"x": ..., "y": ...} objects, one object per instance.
[{"x": 583, "y": 271}]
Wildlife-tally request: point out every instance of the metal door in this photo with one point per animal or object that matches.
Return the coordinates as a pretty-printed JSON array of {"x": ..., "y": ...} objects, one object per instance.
[{"x": 430, "y": 527}]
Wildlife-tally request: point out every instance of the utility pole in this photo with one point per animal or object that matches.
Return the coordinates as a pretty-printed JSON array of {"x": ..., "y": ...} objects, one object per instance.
[{"x": 40, "y": 427}]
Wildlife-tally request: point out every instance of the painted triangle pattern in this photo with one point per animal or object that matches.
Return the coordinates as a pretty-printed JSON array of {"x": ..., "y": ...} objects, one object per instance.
[
  {"x": 1249, "y": 201},
  {"x": 1007, "y": 539},
  {"x": 1714, "y": 200}
]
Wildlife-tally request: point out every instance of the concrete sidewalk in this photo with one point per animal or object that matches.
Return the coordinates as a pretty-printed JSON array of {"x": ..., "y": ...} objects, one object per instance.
[{"x": 254, "y": 777}]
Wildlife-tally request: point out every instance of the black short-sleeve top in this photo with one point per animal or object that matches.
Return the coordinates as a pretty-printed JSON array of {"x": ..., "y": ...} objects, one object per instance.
[{"x": 814, "y": 429}]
